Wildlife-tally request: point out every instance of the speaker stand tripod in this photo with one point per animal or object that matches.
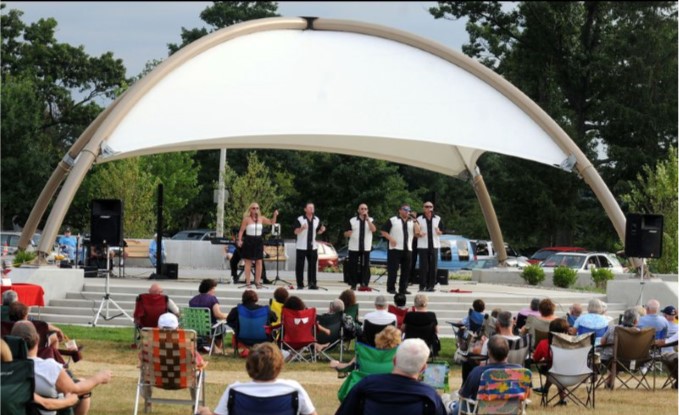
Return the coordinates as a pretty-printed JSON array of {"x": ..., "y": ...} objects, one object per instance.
[
  {"x": 107, "y": 301},
  {"x": 278, "y": 278}
]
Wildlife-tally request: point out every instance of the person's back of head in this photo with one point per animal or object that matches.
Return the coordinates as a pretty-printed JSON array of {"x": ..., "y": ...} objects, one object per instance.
[
  {"x": 265, "y": 362},
  {"x": 411, "y": 357},
  {"x": 478, "y": 305},
  {"x": 380, "y": 302},
  {"x": 558, "y": 325},
  {"x": 9, "y": 296},
  {"x": 281, "y": 294},
  {"x": 336, "y": 306},
  {"x": 348, "y": 298},
  {"x": 534, "y": 304},
  {"x": 504, "y": 321},
  {"x": 388, "y": 338},
  {"x": 249, "y": 297},
  {"x": 546, "y": 307},
  {"x": 652, "y": 306},
  {"x": 26, "y": 330},
  {"x": 421, "y": 301},
  {"x": 294, "y": 303},
  {"x": 155, "y": 289},
  {"x": 498, "y": 348},
  {"x": 594, "y": 306},
  {"x": 400, "y": 300},
  {"x": 17, "y": 311},
  {"x": 206, "y": 285},
  {"x": 630, "y": 317}
]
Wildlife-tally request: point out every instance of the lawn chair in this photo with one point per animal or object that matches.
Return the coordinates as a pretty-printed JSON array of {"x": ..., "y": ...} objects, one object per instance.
[
  {"x": 298, "y": 333},
  {"x": 400, "y": 314},
  {"x": 371, "y": 330},
  {"x": 572, "y": 358},
  {"x": 352, "y": 311},
  {"x": 44, "y": 349},
  {"x": 240, "y": 403},
  {"x": 669, "y": 364},
  {"x": 425, "y": 332},
  {"x": 436, "y": 375},
  {"x": 518, "y": 349},
  {"x": 475, "y": 321},
  {"x": 199, "y": 319},
  {"x": 332, "y": 322},
  {"x": 147, "y": 308},
  {"x": 534, "y": 325},
  {"x": 17, "y": 379},
  {"x": 598, "y": 333},
  {"x": 369, "y": 361},
  {"x": 631, "y": 351},
  {"x": 168, "y": 361},
  {"x": 252, "y": 327},
  {"x": 501, "y": 391}
]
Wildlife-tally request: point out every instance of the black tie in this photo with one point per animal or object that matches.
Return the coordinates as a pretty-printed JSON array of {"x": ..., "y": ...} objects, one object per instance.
[
  {"x": 309, "y": 235},
  {"x": 361, "y": 235},
  {"x": 430, "y": 234},
  {"x": 405, "y": 234}
]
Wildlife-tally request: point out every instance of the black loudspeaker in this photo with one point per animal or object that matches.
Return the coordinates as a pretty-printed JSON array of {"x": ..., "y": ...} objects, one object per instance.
[
  {"x": 107, "y": 222},
  {"x": 643, "y": 236},
  {"x": 170, "y": 271}
]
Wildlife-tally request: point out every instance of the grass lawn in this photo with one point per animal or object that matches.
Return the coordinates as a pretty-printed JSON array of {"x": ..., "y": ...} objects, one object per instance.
[{"x": 107, "y": 348}]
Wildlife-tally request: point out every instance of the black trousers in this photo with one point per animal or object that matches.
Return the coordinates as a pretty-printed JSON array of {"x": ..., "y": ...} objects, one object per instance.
[
  {"x": 429, "y": 261},
  {"x": 397, "y": 258},
  {"x": 233, "y": 263},
  {"x": 359, "y": 268},
  {"x": 311, "y": 256}
]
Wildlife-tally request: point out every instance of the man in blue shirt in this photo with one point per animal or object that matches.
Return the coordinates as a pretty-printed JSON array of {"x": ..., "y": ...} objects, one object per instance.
[
  {"x": 398, "y": 392},
  {"x": 653, "y": 319},
  {"x": 153, "y": 249},
  {"x": 68, "y": 244}
]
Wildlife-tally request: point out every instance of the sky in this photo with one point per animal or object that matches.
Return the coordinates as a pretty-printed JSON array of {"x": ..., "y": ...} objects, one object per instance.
[{"x": 138, "y": 32}]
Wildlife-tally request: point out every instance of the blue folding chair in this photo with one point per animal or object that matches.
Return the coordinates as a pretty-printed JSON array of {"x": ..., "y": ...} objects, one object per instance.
[
  {"x": 243, "y": 404},
  {"x": 251, "y": 326}
]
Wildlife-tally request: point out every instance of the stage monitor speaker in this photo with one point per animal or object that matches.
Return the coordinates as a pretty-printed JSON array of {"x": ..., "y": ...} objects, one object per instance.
[
  {"x": 643, "y": 236},
  {"x": 170, "y": 271},
  {"x": 107, "y": 222}
]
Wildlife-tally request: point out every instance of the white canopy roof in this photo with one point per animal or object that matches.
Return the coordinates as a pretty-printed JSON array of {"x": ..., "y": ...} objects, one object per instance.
[{"x": 331, "y": 91}]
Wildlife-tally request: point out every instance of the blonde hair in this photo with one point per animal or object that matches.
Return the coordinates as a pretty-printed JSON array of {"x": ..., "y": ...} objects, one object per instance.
[
  {"x": 388, "y": 338},
  {"x": 247, "y": 211}
]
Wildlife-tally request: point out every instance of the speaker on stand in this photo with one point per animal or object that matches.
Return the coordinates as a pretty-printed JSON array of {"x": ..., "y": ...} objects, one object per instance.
[{"x": 643, "y": 239}]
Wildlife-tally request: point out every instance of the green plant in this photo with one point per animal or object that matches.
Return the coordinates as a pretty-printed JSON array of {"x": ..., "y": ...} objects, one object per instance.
[
  {"x": 564, "y": 277},
  {"x": 22, "y": 257},
  {"x": 533, "y": 274},
  {"x": 601, "y": 276}
]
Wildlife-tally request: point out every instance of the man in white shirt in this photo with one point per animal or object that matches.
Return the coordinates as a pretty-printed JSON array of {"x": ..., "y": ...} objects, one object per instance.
[
  {"x": 428, "y": 244},
  {"x": 360, "y": 230},
  {"x": 380, "y": 316}
]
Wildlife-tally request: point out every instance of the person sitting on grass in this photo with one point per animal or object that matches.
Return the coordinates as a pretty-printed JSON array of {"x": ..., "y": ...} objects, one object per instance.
[
  {"x": 263, "y": 365},
  {"x": 51, "y": 378}
]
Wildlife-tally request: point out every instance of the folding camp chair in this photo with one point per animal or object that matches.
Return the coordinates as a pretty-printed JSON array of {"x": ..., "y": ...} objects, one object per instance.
[
  {"x": 352, "y": 311},
  {"x": 252, "y": 327},
  {"x": 199, "y": 319},
  {"x": 425, "y": 332},
  {"x": 669, "y": 364},
  {"x": 501, "y": 391},
  {"x": 147, "y": 308},
  {"x": 475, "y": 321},
  {"x": 332, "y": 322},
  {"x": 518, "y": 349},
  {"x": 536, "y": 325},
  {"x": 400, "y": 314},
  {"x": 369, "y": 361},
  {"x": 572, "y": 358},
  {"x": 298, "y": 333},
  {"x": 436, "y": 375},
  {"x": 631, "y": 351},
  {"x": 18, "y": 384},
  {"x": 45, "y": 351},
  {"x": 168, "y": 361},
  {"x": 371, "y": 330},
  {"x": 240, "y": 403}
]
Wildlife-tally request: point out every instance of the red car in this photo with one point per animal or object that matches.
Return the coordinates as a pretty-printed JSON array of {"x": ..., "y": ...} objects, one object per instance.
[
  {"x": 327, "y": 256},
  {"x": 543, "y": 253}
]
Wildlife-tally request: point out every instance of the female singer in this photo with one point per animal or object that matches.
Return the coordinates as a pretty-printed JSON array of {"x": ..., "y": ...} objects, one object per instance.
[{"x": 252, "y": 244}]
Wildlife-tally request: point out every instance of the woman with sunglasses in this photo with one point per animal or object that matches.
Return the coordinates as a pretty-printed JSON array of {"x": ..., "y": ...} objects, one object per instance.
[{"x": 251, "y": 243}]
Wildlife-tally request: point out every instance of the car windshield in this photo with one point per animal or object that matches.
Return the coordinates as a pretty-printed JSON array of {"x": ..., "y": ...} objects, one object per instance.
[{"x": 570, "y": 261}]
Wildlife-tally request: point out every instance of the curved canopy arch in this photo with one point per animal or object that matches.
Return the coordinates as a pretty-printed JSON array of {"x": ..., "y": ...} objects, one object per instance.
[{"x": 325, "y": 85}]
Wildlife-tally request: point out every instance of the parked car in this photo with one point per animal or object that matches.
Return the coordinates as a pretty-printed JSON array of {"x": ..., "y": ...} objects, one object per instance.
[
  {"x": 327, "y": 256},
  {"x": 11, "y": 240},
  {"x": 543, "y": 253},
  {"x": 584, "y": 261},
  {"x": 195, "y": 235},
  {"x": 485, "y": 249},
  {"x": 485, "y": 263}
]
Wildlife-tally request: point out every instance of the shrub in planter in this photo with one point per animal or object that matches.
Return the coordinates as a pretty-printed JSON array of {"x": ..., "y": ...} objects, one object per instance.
[
  {"x": 564, "y": 277},
  {"x": 533, "y": 274},
  {"x": 601, "y": 276},
  {"x": 22, "y": 256}
]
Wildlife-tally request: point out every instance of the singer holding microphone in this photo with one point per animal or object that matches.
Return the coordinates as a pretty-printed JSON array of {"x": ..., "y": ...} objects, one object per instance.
[
  {"x": 251, "y": 243},
  {"x": 360, "y": 230}
]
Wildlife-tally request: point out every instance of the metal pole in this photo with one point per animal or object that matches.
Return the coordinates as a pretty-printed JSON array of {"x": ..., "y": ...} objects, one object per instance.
[{"x": 220, "y": 193}]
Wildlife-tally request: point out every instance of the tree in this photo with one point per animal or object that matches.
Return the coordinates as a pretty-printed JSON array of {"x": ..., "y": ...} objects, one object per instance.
[
  {"x": 655, "y": 192},
  {"x": 49, "y": 97},
  {"x": 605, "y": 71}
]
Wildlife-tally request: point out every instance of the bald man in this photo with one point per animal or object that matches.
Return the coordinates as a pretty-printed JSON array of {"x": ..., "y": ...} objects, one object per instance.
[
  {"x": 655, "y": 320},
  {"x": 171, "y": 306}
]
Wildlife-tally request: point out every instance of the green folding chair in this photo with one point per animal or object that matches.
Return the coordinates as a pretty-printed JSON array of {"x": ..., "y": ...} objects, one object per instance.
[{"x": 199, "y": 319}]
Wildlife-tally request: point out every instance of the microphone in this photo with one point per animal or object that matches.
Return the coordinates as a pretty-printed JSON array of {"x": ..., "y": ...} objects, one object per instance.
[{"x": 256, "y": 216}]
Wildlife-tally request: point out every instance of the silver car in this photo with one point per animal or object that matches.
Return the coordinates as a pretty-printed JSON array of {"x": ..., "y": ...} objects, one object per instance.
[{"x": 584, "y": 261}]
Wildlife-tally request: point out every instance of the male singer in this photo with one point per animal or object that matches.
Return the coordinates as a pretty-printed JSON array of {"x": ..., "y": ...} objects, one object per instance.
[
  {"x": 306, "y": 227},
  {"x": 399, "y": 231},
  {"x": 360, "y": 230},
  {"x": 428, "y": 244}
]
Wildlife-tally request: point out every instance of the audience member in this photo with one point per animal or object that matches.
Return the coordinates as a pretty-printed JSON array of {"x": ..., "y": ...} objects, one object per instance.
[
  {"x": 264, "y": 364},
  {"x": 532, "y": 310},
  {"x": 19, "y": 311},
  {"x": 249, "y": 300},
  {"x": 399, "y": 309},
  {"x": 574, "y": 311},
  {"x": 294, "y": 303},
  {"x": 593, "y": 320},
  {"x": 546, "y": 307},
  {"x": 153, "y": 249},
  {"x": 388, "y": 338},
  {"x": 474, "y": 320},
  {"x": 543, "y": 356},
  {"x": 410, "y": 360},
  {"x": 669, "y": 357},
  {"x": 208, "y": 299},
  {"x": 630, "y": 318},
  {"x": 51, "y": 378},
  {"x": 503, "y": 327},
  {"x": 9, "y": 296},
  {"x": 653, "y": 319},
  {"x": 380, "y": 316},
  {"x": 670, "y": 314},
  {"x": 421, "y": 317},
  {"x": 498, "y": 350},
  {"x": 280, "y": 294},
  {"x": 171, "y": 306}
]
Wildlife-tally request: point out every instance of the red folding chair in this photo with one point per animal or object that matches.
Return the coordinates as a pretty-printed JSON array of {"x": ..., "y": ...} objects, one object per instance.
[
  {"x": 298, "y": 333},
  {"x": 147, "y": 309}
]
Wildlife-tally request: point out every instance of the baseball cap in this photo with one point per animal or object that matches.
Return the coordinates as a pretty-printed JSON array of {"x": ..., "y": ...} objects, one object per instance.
[
  {"x": 669, "y": 310},
  {"x": 168, "y": 321},
  {"x": 380, "y": 300}
]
